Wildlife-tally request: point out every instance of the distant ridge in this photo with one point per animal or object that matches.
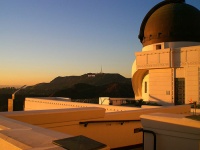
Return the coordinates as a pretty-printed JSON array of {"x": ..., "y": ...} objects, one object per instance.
[
  {"x": 86, "y": 91},
  {"x": 9, "y": 86},
  {"x": 67, "y": 82}
]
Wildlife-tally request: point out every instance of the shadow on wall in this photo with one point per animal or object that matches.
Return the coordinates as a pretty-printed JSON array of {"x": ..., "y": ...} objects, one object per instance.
[
  {"x": 176, "y": 58},
  {"x": 159, "y": 101}
]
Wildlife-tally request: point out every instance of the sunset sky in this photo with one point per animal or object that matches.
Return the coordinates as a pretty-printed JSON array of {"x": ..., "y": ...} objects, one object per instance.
[{"x": 43, "y": 39}]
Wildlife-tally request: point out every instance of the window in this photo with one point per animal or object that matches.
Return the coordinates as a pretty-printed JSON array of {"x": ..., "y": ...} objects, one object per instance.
[
  {"x": 145, "y": 87},
  {"x": 159, "y": 35},
  {"x": 167, "y": 92},
  {"x": 158, "y": 46},
  {"x": 150, "y": 37}
]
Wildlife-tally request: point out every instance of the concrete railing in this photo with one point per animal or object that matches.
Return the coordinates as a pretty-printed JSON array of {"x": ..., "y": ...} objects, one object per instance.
[
  {"x": 44, "y": 104},
  {"x": 172, "y": 132},
  {"x": 111, "y": 132}
]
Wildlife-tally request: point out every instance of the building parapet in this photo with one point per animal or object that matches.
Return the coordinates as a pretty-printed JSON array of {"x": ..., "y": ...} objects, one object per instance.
[
  {"x": 166, "y": 58},
  {"x": 45, "y": 103},
  {"x": 114, "y": 129},
  {"x": 172, "y": 131}
]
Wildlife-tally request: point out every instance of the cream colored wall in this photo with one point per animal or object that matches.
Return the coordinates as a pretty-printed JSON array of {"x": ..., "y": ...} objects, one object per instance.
[
  {"x": 184, "y": 60},
  {"x": 161, "y": 86},
  {"x": 192, "y": 84},
  {"x": 152, "y": 47},
  {"x": 145, "y": 96},
  {"x": 137, "y": 77},
  {"x": 6, "y": 145},
  {"x": 186, "y": 56},
  {"x": 179, "y": 73},
  {"x": 166, "y": 58},
  {"x": 113, "y": 134},
  {"x": 134, "y": 68},
  {"x": 137, "y": 82},
  {"x": 180, "y": 44},
  {"x": 41, "y": 104},
  {"x": 173, "y": 132},
  {"x": 172, "y": 45},
  {"x": 45, "y": 103},
  {"x": 153, "y": 59},
  {"x": 17, "y": 135}
]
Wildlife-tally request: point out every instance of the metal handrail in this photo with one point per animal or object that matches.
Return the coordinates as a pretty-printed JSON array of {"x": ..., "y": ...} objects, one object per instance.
[
  {"x": 85, "y": 123},
  {"x": 154, "y": 137},
  {"x": 147, "y": 131}
]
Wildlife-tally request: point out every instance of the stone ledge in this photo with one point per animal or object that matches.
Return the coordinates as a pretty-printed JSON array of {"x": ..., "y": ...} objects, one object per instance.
[{"x": 19, "y": 135}]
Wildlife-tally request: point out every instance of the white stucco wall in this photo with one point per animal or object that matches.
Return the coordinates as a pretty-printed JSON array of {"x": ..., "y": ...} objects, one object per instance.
[
  {"x": 182, "y": 62},
  {"x": 180, "y": 44},
  {"x": 45, "y": 104},
  {"x": 173, "y": 132},
  {"x": 172, "y": 45},
  {"x": 114, "y": 134},
  {"x": 160, "y": 85},
  {"x": 152, "y": 47},
  {"x": 192, "y": 84},
  {"x": 145, "y": 95}
]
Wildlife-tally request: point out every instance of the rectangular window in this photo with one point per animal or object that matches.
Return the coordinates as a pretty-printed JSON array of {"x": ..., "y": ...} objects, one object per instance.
[
  {"x": 145, "y": 87},
  {"x": 158, "y": 46},
  {"x": 167, "y": 92}
]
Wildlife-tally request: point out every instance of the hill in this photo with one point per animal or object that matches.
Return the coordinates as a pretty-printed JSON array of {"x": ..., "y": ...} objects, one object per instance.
[
  {"x": 69, "y": 82},
  {"x": 87, "y": 86},
  {"x": 86, "y": 91}
]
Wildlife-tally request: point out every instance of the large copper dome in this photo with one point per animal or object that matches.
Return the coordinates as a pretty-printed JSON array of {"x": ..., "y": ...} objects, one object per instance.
[{"x": 170, "y": 21}]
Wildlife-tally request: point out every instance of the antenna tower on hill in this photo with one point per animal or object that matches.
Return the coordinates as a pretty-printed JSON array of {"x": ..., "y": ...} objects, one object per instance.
[{"x": 101, "y": 70}]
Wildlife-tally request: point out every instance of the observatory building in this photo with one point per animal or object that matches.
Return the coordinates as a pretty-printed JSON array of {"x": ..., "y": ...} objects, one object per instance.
[{"x": 167, "y": 70}]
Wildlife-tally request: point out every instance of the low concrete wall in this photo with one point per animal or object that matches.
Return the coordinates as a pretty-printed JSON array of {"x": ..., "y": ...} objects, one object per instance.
[
  {"x": 56, "y": 116},
  {"x": 45, "y": 103},
  {"x": 149, "y": 106},
  {"x": 16, "y": 135},
  {"x": 173, "y": 132},
  {"x": 113, "y": 134}
]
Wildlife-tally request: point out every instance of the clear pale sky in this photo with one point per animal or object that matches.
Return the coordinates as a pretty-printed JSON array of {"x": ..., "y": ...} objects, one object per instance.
[{"x": 43, "y": 39}]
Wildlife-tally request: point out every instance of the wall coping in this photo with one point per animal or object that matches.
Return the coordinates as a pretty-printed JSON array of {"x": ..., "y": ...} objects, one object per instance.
[
  {"x": 171, "y": 123},
  {"x": 19, "y": 135}
]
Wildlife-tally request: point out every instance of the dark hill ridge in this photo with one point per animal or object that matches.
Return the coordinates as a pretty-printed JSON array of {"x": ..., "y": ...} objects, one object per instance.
[
  {"x": 69, "y": 81},
  {"x": 99, "y": 79},
  {"x": 87, "y": 86},
  {"x": 78, "y": 85},
  {"x": 85, "y": 91}
]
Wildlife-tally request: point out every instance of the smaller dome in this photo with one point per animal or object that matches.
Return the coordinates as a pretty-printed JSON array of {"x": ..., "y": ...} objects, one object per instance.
[{"x": 170, "y": 21}]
